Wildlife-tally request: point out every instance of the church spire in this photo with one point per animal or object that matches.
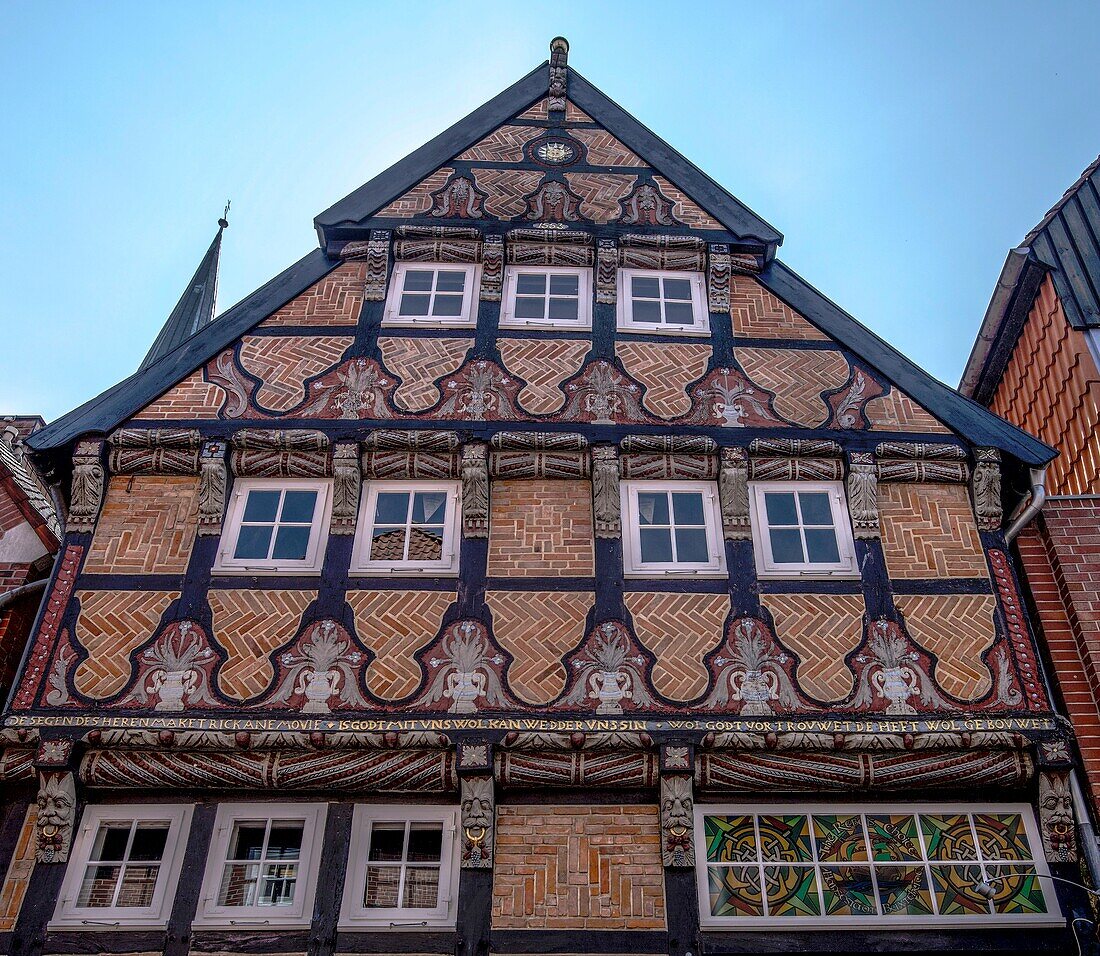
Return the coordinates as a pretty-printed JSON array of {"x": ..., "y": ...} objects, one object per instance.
[{"x": 196, "y": 306}]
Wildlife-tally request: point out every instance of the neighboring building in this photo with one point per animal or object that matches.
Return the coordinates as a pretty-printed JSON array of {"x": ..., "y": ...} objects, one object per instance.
[
  {"x": 537, "y": 566},
  {"x": 1035, "y": 364}
]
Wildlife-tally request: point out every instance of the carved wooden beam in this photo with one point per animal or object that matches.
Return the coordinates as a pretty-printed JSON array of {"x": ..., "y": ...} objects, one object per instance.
[
  {"x": 438, "y": 244},
  {"x": 280, "y": 453},
  {"x": 795, "y": 459},
  {"x": 921, "y": 461},
  {"x": 416, "y": 453},
  {"x": 662, "y": 252},
  {"x": 538, "y": 455},
  {"x": 154, "y": 451},
  {"x": 669, "y": 457}
]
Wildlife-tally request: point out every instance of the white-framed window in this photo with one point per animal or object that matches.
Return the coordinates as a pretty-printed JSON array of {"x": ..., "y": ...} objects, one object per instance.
[
  {"x": 654, "y": 301},
  {"x": 547, "y": 297},
  {"x": 407, "y": 527},
  {"x": 402, "y": 868},
  {"x": 672, "y": 527},
  {"x": 802, "y": 529},
  {"x": 123, "y": 867},
  {"x": 276, "y": 526},
  {"x": 262, "y": 865},
  {"x": 432, "y": 294},
  {"x": 898, "y": 865}
]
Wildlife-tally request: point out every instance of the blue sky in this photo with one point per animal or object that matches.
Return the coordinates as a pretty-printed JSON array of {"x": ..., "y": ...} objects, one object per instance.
[{"x": 902, "y": 148}]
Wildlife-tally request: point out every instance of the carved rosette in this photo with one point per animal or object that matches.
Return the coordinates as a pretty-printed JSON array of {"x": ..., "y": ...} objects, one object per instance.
[
  {"x": 605, "y": 491},
  {"x": 863, "y": 494},
  {"x": 87, "y": 486},
  {"x": 985, "y": 489},
  {"x": 733, "y": 494},
  {"x": 56, "y": 813},
  {"x": 478, "y": 809},
  {"x": 475, "y": 490},
  {"x": 677, "y": 821},
  {"x": 211, "y": 487},
  {"x": 1056, "y": 816},
  {"x": 346, "y": 479}
]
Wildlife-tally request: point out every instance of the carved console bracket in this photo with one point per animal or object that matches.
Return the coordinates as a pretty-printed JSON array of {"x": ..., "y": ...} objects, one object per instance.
[
  {"x": 607, "y": 265},
  {"x": 492, "y": 268},
  {"x": 87, "y": 486},
  {"x": 985, "y": 489},
  {"x": 346, "y": 481},
  {"x": 478, "y": 821},
  {"x": 377, "y": 253},
  {"x": 538, "y": 455},
  {"x": 921, "y": 461},
  {"x": 276, "y": 453},
  {"x": 863, "y": 494},
  {"x": 154, "y": 451},
  {"x": 417, "y": 453},
  {"x": 475, "y": 490},
  {"x": 733, "y": 494},
  {"x": 606, "y": 503},
  {"x": 56, "y": 813},
  {"x": 718, "y": 277},
  {"x": 212, "y": 482},
  {"x": 677, "y": 807}
]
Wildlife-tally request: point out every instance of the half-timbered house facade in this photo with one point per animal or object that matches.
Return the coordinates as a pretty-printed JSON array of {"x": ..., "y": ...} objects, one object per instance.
[{"x": 538, "y": 565}]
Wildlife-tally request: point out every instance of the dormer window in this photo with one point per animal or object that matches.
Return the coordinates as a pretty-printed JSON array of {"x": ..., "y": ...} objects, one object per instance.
[
  {"x": 662, "y": 302},
  {"x": 547, "y": 297},
  {"x": 432, "y": 295}
]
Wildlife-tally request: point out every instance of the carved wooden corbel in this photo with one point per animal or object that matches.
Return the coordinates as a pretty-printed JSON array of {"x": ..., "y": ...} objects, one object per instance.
[
  {"x": 607, "y": 271},
  {"x": 733, "y": 494},
  {"x": 1056, "y": 820},
  {"x": 279, "y": 453},
  {"x": 211, "y": 487},
  {"x": 56, "y": 814},
  {"x": 985, "y": 489},
  {"x": 677, "y": 820},
  {"x": 559, "y": 75},
  {"x": 154, "y": 451},
  {"x": 478, "y": 812},
  {"x": 606, "y": 503},
  {"x": 87, "y": 486},
  {"x": 921, "y": 461},
  {"x": 475, "y": 490},
  {"x": 718, "y": 277},
  {"x": 863, "y": 494},
  {"x": 492, "y": 268},
  {"x": 346, "y": 481},
  {"x": 378, "y": 265}
]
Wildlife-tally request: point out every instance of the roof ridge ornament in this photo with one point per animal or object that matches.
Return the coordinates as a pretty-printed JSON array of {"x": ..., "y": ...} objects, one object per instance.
[{"x": 559, "y": 74}]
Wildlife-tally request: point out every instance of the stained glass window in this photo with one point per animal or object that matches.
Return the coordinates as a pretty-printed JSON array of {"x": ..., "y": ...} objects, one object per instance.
[{"x": 795, "y": 863}]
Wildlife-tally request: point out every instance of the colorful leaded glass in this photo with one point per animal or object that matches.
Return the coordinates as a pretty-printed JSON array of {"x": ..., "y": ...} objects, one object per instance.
[
  {"x": 785, "y": 838},
  {"x": 893, "y": 837},
  {"x": 948, "y": 836},
  {"x": 848, "y": 890},
  {"x": 903, "y": 890},
  {"x": 955, "y": 890},
  {"x": 1001, "y": 836},
  {"x": 735, "y": 891},
  {"x": 731, "y": 839},
  {"x": 839, "y": 837},
  {"x": 1018, "y": 889},
  {"x": 791, "y": 890}
]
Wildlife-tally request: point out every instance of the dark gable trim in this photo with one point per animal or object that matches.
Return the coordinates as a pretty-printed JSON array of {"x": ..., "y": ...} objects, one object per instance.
[
  {"x": 975, "y": 423},
  {"x": 119, "y": 402}
]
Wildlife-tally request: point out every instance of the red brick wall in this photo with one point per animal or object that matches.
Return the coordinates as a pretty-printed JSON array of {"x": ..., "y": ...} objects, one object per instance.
[
  {"x": 540, "y": 528},
  {"x": 1061, "y": 558}
]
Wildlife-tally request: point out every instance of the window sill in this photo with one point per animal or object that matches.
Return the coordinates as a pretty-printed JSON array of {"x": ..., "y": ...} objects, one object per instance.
[
  {"x": 265, "y": 572},
  {"x": 257, "y": 923},
  {"x": 808, "y": 575},
  {"x": 803, "y": 923},
  {"x": 403, "y": 926},
  {"x": 521, "y": 326},
  {"x": 427, "y": 324},
  {"x": 401, "y": 573},
  {"x": 664, "y": 330},
  {"x": 710, "y": 574},
  {"x": 88, "y": 925}
]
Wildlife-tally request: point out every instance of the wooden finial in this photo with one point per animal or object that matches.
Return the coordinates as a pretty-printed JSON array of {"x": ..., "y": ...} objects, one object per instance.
[{"x": 224, "y": 221}]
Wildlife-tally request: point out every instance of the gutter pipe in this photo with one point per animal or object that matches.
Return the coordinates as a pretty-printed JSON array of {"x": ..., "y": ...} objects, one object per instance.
[
  {"x": 1038, "y": 498},
  {"x": 10, "y": 597}
]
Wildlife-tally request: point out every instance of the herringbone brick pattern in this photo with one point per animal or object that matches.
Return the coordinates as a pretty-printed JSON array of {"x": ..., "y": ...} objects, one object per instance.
[
  {"x": 111, "y": 624},
  {"x": 540, "y": 528},
  {"x": 574, "y": 114},
  {"x": 543, "y": 365},
  {"x": 897, "y": 412},
  {"x": 958, "y": 629},
  {"x": 821, "y": 629},
  {"x": 335, "y": 300},
  {"x": 665, "y": 371},
  {"x": 418, "y": 200},
  {"x": 538, "y": 111},
  {"x": 679, "y": 629},
  {"x": 18, "y": 877},
  {"x": 284, "y": 362},
  {"x": 538, "y": 628},
  {"x": 250, "y": 625},
  {"x": 503, "y": 145},
  {"x": 147, "y": 525},
  {"x": 797, "y": 377},
  {"x": 758, "y": 314},
  {"x": 575, "y": 867},
  {"x": 191, "y": 398},
  {"x": 605, "y": 150},
  {"x": 394, "y": 625},
  {"x": 601, "y": 193},
  {"x": 929, "y": 531},
  {"x": 683, "y": 208},
  {"x": 506, "y": 189},
  {"x": 418, "y": 363}
]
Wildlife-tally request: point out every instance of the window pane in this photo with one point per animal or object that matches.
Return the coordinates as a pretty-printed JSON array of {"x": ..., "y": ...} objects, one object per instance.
[
  {"x": 839, "y": 837},
  {"x": 1018, "y": 889},
  {"x": 786, "y": 546},
  {"x": 285, "y": 842},
  {"x": 565, "y": 285},
  {"x": 391, "y": 507},
  {"x": 387, "y": 544},
  {"x": 426, "y": 544},
  {"x": 730, "y": 839},
  {"x": 947, "y": 836},
  {"x": 735, "y": 891},
  {"x": 138, "y": 884},
  {"x": 1001, "y": 836},
  {"x": 98, "y": 887},
  {"x": 248, "y": 841},
  {"x": 848, "y": 890},
  {"x": 531, "y": 283},
  {"x": 645, "y": 286},
  {"x": 903, "y": 891},
  {"x": 110, "y": 842},
  {"x": 239, "y": 884},
  {"x": 447, "y": 305},
  {"x": 277, "y": 885},
  {"x": 429, "y": 506},
  {"x": 791, "y": 890},
  {"x": 261, "y": 506},
  {"x": 530, "y": 308},
  {"x": 815, "y": 507},
  {"x": 691, "y": 546},
  {"x": 785, "y": 838},
  {"x": 414, "y": 304},
  {"x": 149, "y": 840},
  {"x": 563, "y": 309},
  {"x": 382, "y": 884},
  {"x": 893, "y": 837},
  {"x": 253, "y": 541},
  {"x": 677, "y": 289},
  {"x": 426, "y": 843},
  {"x": 421, "y": 886},
  {"x": 687, "y": 507},
  {"x": 450, "y": 280},
  {"x": 656, "y": 545},
  {"x": 653, "y": 507},
  {"x": 418, "y": 280},
  {"x": 386, "y": 841},
  {"x": 298, "y": 506},
  {"x": 679, "y": 313},
  {"x": 780, "y": 507},
  {"x": 645, "y": 311},
  {"x": 822, "y": 547},
  {"x": 955, "y": 891},
  {"x": 291, "y": 543}
]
